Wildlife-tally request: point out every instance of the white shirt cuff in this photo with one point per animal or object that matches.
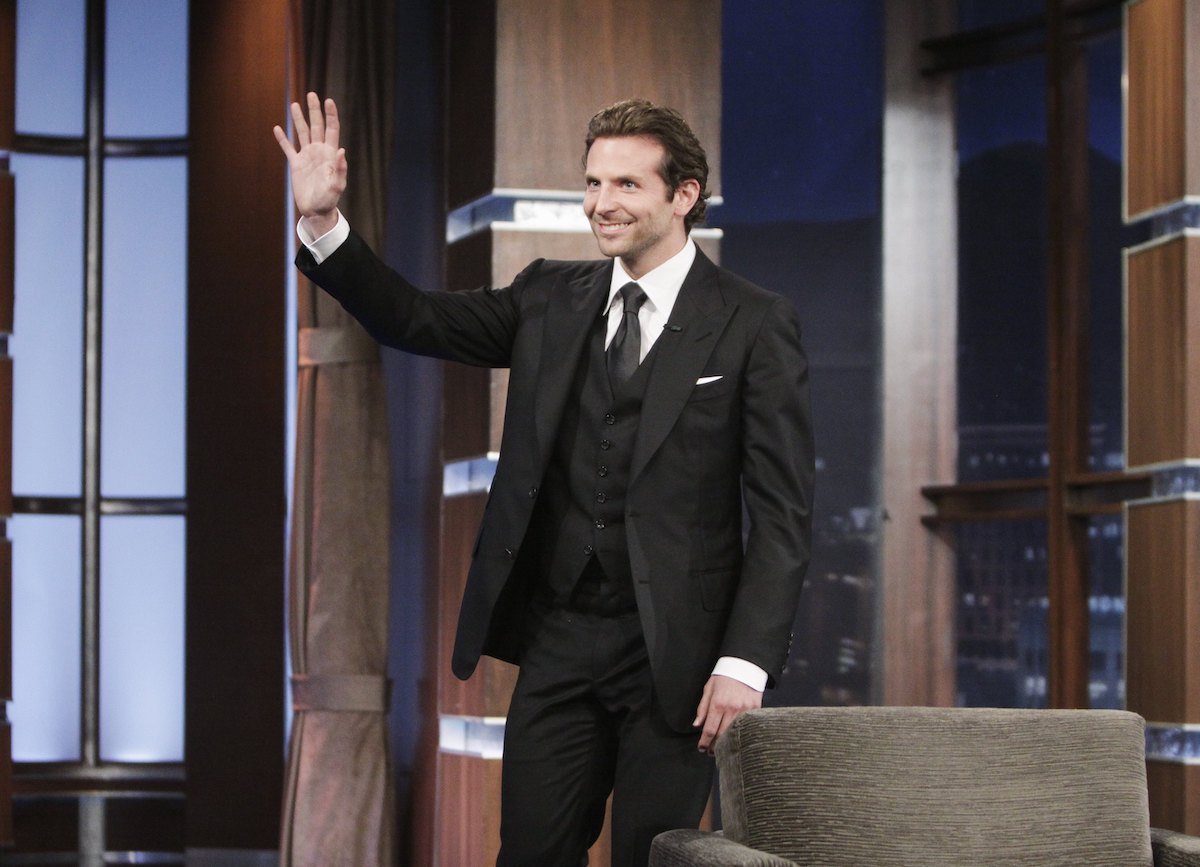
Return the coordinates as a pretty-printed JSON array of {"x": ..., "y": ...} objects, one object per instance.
[
  {"x": 322, "y": 248},
  {"x": 739, "y": 669}
]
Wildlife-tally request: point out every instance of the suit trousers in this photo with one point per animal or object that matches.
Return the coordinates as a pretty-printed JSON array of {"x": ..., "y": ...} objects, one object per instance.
[{"x": 583, "y": 724}]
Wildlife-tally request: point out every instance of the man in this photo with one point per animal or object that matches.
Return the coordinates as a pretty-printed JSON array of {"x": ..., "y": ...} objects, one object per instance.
[{"x": 652, "y": 397}]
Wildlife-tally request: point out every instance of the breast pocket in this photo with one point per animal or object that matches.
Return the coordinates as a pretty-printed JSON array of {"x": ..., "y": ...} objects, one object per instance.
[{"x": 714, "y": 389}]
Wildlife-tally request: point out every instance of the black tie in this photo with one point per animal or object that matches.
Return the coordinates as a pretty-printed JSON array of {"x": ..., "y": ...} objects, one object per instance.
[{"x": 626, "y": 346}]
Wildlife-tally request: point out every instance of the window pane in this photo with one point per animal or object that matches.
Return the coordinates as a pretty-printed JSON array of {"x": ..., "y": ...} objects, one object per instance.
[
  {"x": 50, "y": 51},
  {"x": 141, "y": 638},
  {"x": 146, "y": 84},
  {"x": 1002, "y": 272},
  {"x": 1106, "y": 607},
  {"x": 145, "y": 341},
  {"x": 47, "y": 342},
  {"x": 1107, "y": 236},
  {"x": 1002, "y": 602},
  {"x": 973, "y": 14},
  {"x": 46, "y": 643}
]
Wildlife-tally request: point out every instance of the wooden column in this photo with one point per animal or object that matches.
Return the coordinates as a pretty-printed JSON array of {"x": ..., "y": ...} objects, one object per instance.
[
  {"x": 1162, "y": 176},
  {"x": 237, "y": 221},
  {"x": 524, "y": 78},
  {"x": 920, "y": 298}
]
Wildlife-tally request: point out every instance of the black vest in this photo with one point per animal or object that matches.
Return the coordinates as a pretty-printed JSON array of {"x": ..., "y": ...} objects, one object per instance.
[{"x": 580, "y": 520}]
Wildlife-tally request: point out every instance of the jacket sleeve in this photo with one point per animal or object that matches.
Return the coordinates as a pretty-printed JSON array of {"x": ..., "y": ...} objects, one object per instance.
[
  {"x": 475, "y": 327},
  {"x": 777, "y": 489}
]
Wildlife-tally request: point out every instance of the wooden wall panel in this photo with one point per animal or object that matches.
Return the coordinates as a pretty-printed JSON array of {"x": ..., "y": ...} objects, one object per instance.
[
  {"x": 1162, "y": 611},
  {"x": 468, "y": 827},
  {"x": 235, "y": 678},
  {"x": 460, "y": 521},
  {"x": 1174, "y": 791},
  {"x": 602, "y": 52},
  {"x": 1162, "y": 352},
  {"x": 1155, "y": 122},
  {"x": 521, "y": 101}
]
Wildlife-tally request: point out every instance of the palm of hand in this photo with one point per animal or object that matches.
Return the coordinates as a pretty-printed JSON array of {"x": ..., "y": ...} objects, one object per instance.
[
  {"x": 318, "y": 165},
  {"x": 318, "y": 178}
]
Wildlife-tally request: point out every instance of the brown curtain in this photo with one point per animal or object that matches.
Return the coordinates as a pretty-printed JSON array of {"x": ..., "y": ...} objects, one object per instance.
[{"x": 338, "y": 803}]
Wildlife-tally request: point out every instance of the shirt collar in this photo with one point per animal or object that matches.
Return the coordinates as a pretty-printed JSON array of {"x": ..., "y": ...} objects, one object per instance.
[{"x": 662, "y": 284}]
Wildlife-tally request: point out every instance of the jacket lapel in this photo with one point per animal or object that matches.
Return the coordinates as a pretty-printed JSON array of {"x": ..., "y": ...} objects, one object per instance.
[
  {"x": 571, "y": 311},
  {"x": 696, "y": 322}
]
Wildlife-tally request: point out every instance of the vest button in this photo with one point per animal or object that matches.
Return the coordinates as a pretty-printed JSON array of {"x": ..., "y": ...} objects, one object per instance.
[
  {"x": 510, "y": 553},
  {"x": 602, "y": 471},
  {"x": 599, "y": 523},
  {"x": 609, "y": 418},
  {"x": 605, "y": 444},
  {"x": 588, "y": 550},
  {"x": 601, "y": 497},
  {"x": 533, "y": 492}
]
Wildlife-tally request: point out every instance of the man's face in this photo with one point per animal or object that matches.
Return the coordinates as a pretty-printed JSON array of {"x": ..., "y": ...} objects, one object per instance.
[{"x": 627, "y": 203}]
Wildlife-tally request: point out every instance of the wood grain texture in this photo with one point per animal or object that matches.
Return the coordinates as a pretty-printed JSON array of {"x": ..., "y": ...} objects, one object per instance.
[
  {"x": 917, "y": 595},
  {"x": 1163, "y": 103},
  {"x": 1174, "y": 792},
  {"x": 526, "y": 76},
  {"x": 1162, "y": 611},
  {"x": 1156, "y": 148},
  {"x": 1162, "y": 354},
  {"x": 235, "y": 465}
]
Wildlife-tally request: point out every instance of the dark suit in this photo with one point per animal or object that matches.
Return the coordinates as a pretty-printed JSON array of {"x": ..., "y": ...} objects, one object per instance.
[{"x": 702, "y": 452}]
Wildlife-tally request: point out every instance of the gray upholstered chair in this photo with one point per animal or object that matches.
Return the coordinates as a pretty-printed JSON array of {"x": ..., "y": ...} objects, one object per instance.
[{"x": 880, "y": 786}]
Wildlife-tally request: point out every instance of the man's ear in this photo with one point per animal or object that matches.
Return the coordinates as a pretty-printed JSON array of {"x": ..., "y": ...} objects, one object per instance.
[{"x": 686, "y": 196}]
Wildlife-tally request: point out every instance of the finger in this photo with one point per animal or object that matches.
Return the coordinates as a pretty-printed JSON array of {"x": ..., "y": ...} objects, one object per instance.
[
  {"x": 299, "y": 125},
  {"x": 712, "y": 727},
  {"x": 284, "y": 143},
  {"x": 316, "y": 121},
  {"x": 333, "y": 124},
  {"x": 702, "y": 708}
]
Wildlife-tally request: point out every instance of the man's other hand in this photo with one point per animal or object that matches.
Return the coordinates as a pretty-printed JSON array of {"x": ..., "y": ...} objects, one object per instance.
[
  {"x": 723, "y": 699},
  {"x": 318, "y": 164}
]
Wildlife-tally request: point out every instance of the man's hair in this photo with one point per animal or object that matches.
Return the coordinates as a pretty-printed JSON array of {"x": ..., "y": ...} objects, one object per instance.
[{"x": 683, "y": 156}]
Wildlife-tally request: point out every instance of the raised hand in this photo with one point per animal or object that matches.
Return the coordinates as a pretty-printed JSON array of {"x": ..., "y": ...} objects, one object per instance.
[{"x": 319, "y": 165}]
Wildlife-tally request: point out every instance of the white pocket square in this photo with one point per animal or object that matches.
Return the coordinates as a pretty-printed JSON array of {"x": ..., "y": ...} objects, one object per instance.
[{"x": 705, "y": 380}]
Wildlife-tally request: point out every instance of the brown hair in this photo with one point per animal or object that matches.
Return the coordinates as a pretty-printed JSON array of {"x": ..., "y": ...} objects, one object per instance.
[{"x": 683, "y": 156}]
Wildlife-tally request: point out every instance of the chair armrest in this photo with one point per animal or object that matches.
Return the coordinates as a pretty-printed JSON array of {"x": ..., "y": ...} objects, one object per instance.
[
  {"x": 688, "y": 847},
  {"x": 1172, "y": 849}
]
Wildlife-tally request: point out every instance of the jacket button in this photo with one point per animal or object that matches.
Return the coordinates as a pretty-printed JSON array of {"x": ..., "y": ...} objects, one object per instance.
[
  {"x": 510, "y": 553},
  {"x": 609, "y": 418},
  {"x": 588, "y": 550},
  {"x": 533, "y": 492}
]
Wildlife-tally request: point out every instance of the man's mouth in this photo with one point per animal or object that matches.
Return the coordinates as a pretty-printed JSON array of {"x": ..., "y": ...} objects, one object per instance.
[{"x": 612, "y": 228}]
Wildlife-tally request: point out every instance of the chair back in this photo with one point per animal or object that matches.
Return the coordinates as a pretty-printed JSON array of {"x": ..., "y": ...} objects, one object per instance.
[{"x": 882, "y": 786}]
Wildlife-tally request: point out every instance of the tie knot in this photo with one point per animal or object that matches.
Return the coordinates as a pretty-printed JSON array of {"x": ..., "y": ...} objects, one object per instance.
[{"x": 633, "y": 297}]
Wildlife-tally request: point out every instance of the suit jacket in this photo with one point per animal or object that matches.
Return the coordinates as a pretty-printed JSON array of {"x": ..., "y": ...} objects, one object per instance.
[{"x": 705, "y": 455}]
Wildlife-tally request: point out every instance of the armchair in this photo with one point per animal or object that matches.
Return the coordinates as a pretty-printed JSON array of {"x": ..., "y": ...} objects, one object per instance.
[{"x": 891, "y": 786}]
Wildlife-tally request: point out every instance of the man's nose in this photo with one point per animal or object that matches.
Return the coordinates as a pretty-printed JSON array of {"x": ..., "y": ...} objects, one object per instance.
[{"x": 603, "y": 199}]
